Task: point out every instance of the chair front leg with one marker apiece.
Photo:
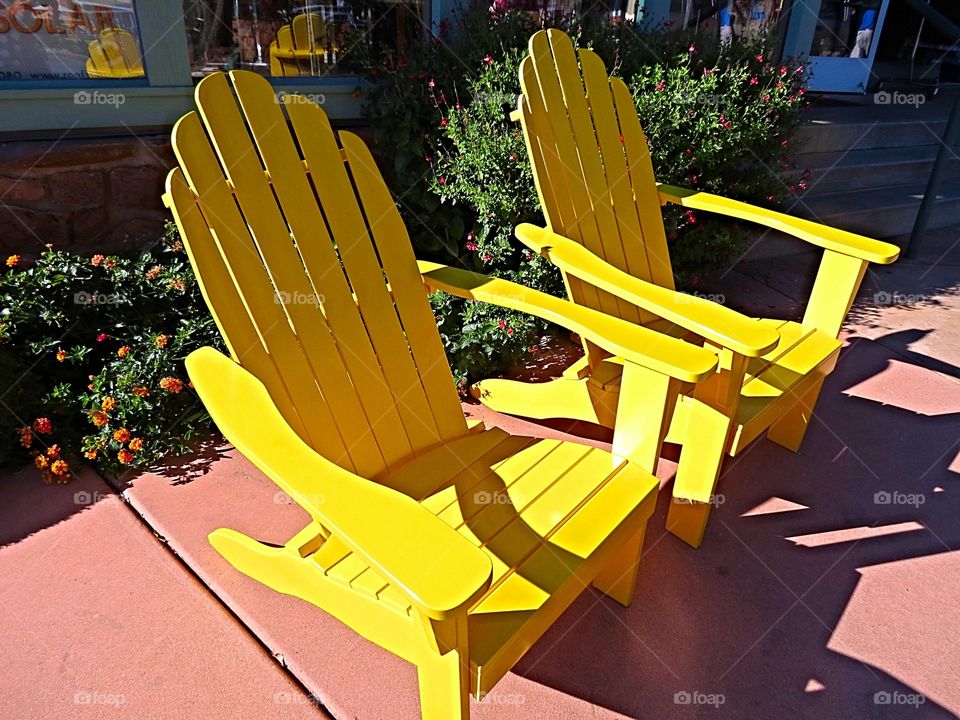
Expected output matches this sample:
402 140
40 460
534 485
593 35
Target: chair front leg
443 672
836 286
708 419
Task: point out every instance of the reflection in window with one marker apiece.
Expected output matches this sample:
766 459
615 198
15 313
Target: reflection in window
66 40
290 38
845 28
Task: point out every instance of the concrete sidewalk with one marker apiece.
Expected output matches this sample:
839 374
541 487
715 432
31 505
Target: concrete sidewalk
99 619
826 586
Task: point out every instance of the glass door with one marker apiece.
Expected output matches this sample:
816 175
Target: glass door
844 44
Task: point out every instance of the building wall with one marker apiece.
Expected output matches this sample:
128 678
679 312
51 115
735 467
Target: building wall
86 195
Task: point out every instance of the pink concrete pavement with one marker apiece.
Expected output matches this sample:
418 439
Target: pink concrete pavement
826 587
826 584
99 620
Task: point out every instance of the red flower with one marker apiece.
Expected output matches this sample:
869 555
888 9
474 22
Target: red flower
488 60
43 425
101 337
472 246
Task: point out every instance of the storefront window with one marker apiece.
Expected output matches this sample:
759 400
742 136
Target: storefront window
63 40
291 39
845 28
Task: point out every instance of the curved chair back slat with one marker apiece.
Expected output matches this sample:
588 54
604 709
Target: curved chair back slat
333 317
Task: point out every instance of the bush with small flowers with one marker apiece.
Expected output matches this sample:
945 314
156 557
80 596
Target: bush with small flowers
718 118
95 350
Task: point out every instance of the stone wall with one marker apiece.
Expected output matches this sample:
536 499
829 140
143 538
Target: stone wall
84 195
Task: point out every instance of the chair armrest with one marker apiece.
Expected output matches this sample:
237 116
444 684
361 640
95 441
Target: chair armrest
440 571
716 323
633 343
828 238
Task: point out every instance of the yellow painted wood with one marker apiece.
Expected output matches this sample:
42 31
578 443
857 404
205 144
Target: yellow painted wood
205 176
453 547
417 322
301 46
711 321
595 180
114 54
839 241
640 166
642 421
597 86
618 579
661 353
791 427
834 290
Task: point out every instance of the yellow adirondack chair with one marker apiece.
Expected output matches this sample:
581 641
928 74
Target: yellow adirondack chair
454 547
605 232
114 54
300 46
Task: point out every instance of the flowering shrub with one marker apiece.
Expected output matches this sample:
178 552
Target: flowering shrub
718 119
94 348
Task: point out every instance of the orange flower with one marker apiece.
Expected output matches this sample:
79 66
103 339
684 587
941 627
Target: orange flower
141 391
109 263
152 272
96 260
53 452
125 456
136 444
61 355
121 435
90 454
109 403
171 385
26 436
99 418
177 284
124 351
162 340
41 462
43 425
177 246
13 261
60 468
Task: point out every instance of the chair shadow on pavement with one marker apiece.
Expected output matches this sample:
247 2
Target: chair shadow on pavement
828 580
